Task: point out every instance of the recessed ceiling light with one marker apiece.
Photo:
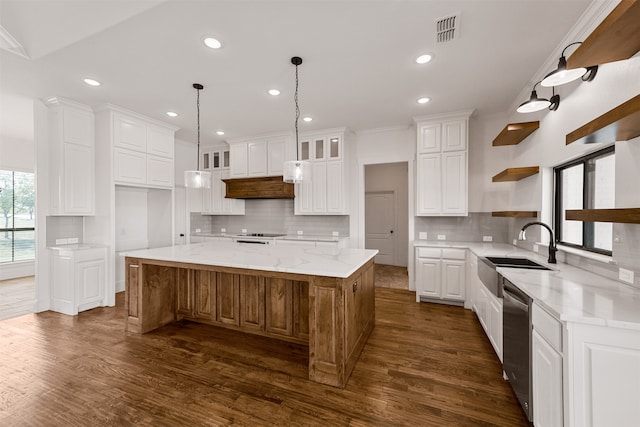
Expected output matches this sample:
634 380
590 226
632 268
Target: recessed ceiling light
423 59
220 132
423 100
274 92
307 119
91 82
172 114
213 43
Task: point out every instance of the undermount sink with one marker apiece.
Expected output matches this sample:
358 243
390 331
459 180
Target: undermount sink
516 263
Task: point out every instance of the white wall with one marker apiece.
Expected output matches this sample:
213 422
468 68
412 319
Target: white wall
185 159
16 133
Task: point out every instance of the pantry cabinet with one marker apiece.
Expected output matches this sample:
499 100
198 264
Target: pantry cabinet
442 165
71 158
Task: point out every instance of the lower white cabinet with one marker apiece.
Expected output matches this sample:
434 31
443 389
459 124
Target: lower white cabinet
77 279
440 273
547 383
488 308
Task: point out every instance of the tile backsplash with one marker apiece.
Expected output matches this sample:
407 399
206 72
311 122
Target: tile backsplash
471 228
64 227
271 216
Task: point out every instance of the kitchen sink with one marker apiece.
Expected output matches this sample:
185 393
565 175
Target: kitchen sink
516 263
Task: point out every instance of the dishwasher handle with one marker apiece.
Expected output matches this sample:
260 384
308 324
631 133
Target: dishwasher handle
514 299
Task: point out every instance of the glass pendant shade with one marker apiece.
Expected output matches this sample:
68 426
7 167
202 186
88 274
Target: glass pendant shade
296 171
197 179
561 75
533 104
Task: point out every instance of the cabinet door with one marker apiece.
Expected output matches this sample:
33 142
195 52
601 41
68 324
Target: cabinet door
319 184
185 292
319 146
335 187
230 206
90 283
227 299
160 141
482 301
453 279
428 277
130 167
257 155
62 284
354 296
238 162
129 133
252 302
78 127
454 135
429 138
454 183
494 314
79 178
547 383
428 189
279 306
301 310
205 289
276 155
304 198
218 191
160 171
334 147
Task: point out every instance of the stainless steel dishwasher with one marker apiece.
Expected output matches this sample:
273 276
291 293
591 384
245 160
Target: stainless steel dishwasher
516 321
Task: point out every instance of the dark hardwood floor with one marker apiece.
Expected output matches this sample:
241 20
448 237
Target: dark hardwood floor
424 365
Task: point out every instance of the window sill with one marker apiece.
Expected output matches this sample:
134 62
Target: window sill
586 254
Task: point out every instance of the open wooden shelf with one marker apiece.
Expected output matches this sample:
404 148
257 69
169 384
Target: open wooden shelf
516 174
620 215
514 133
620 124
515 214
615 39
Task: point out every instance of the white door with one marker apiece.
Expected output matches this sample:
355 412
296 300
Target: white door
180 215
379 224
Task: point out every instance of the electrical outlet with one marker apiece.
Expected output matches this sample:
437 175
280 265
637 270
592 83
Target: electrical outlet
335 233
536 248
72 240
422 235
62 241
223 230
198 230
300 232
442 237
625 275
487 238
515 242
244 231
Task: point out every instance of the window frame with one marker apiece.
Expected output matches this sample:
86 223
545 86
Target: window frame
587 194
15 229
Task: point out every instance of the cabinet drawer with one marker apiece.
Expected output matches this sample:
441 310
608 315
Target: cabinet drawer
454 254
547 326
429 252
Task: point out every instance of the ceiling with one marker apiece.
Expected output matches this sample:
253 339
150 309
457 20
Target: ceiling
358 67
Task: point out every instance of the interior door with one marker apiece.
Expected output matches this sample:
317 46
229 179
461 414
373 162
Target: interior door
379 225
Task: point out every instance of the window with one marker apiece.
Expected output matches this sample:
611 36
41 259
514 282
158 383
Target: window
17 231
585 183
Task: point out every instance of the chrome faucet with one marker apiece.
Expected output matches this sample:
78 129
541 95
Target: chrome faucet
552 242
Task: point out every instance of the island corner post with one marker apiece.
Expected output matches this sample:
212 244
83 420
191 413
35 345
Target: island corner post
333 316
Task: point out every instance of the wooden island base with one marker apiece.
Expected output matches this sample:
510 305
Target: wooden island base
333 316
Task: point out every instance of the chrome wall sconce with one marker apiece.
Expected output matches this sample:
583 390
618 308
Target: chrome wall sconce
562 76
536 104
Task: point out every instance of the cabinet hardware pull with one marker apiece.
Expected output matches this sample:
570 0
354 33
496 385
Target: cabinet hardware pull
355 287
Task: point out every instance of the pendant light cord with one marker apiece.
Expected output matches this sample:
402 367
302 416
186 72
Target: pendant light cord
569 45
198 108
295 98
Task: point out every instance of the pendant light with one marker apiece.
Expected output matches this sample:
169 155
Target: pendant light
562 76
296 171
197 178
534 103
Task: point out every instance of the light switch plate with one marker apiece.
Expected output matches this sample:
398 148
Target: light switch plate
487 238
300 232
625 275
536 248
442 237
422 235
61 241
335 233
198 230
72 240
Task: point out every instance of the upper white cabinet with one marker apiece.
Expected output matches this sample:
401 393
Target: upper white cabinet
442 165
72 158
143 150
260 156
325 193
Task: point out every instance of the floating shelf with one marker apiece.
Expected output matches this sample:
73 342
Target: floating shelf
615 39
620 124
620 215
516 174
514 133
515 214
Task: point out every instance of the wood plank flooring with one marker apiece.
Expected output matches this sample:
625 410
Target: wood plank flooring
17 297
424 365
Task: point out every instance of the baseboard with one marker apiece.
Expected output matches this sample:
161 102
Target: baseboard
14 270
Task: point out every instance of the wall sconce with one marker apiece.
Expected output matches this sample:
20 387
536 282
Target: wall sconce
562 76
536 104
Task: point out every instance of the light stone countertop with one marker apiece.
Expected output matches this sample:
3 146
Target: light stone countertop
315 261
302 237
569 293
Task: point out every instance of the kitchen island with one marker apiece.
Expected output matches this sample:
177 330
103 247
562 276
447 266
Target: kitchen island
320 297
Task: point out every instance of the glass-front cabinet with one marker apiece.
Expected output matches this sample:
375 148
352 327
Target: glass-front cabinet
321 148
214 159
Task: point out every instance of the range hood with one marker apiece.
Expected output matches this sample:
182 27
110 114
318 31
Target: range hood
269 187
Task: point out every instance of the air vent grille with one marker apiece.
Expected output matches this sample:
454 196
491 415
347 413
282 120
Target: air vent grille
447 28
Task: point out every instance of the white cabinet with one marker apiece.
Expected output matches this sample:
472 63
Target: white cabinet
440 274
547 383
214 201
216 158
442 165
143 152
326 193
72 158
488 308
260 156
77 279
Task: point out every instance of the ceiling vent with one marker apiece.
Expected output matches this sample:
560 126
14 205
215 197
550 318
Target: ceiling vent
447 28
